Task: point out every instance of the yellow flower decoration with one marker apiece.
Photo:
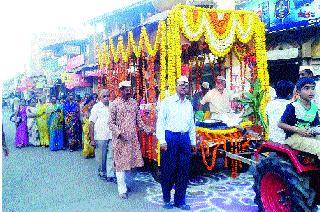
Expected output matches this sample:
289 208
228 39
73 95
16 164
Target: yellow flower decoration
242 25
223 132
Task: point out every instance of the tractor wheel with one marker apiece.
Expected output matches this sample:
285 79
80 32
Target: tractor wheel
279 188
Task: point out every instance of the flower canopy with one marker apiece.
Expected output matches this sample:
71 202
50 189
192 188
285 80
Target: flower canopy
219 28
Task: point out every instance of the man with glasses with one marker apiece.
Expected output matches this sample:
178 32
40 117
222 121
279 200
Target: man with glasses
176 134
100 136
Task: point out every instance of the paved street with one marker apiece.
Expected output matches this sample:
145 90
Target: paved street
36 179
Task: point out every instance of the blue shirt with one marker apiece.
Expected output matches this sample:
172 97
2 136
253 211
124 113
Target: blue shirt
176 116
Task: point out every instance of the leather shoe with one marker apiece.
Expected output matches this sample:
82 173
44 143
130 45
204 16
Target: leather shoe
167 205
183 207
102 176
111 179
123 196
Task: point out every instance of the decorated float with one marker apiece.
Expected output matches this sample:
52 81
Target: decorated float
201 44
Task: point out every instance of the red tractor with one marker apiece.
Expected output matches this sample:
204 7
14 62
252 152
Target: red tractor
286 179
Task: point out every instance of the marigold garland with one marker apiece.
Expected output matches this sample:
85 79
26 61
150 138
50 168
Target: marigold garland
241 25
214 154
223 132
231 72
163 62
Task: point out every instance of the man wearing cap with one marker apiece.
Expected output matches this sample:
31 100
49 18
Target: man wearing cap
205 87
100 136
176 134
123 123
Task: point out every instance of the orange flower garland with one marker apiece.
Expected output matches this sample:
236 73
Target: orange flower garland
219 26
220 37
230 60
214 154
137 80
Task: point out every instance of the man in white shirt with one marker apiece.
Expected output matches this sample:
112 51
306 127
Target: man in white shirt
219 100
176 134
100 136
276 107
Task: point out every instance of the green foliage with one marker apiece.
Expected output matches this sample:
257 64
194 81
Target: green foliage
251 102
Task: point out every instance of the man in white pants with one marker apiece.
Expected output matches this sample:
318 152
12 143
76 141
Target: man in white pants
101 137
124 121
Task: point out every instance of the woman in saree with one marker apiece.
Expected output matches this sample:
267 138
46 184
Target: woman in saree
33 130
55 125
88 150
21 124
73 128
42 122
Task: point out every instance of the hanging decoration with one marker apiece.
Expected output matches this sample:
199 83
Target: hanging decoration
219 29
231 73
163 62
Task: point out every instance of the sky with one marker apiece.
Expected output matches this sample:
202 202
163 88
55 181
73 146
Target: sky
20 18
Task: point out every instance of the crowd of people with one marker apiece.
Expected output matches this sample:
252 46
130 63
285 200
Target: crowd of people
109 132
51 123
106 132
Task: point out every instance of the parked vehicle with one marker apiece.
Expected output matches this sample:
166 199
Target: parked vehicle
286 180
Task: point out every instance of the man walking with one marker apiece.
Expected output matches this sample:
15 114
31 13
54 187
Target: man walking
124 120
100 136
176 133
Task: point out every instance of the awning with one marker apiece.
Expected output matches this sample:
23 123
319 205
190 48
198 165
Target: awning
283 54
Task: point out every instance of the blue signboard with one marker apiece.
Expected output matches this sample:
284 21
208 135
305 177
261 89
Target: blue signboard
285 14
50 64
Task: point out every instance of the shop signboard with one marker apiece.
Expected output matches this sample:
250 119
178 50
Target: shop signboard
77 81
41 82
71 49
94 73
66 77
25 85
51 64
285 14
62 61
75 62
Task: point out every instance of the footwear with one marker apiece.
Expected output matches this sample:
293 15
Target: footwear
111 179
102 176
123 196
167 205
115 180
183 207
129 189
